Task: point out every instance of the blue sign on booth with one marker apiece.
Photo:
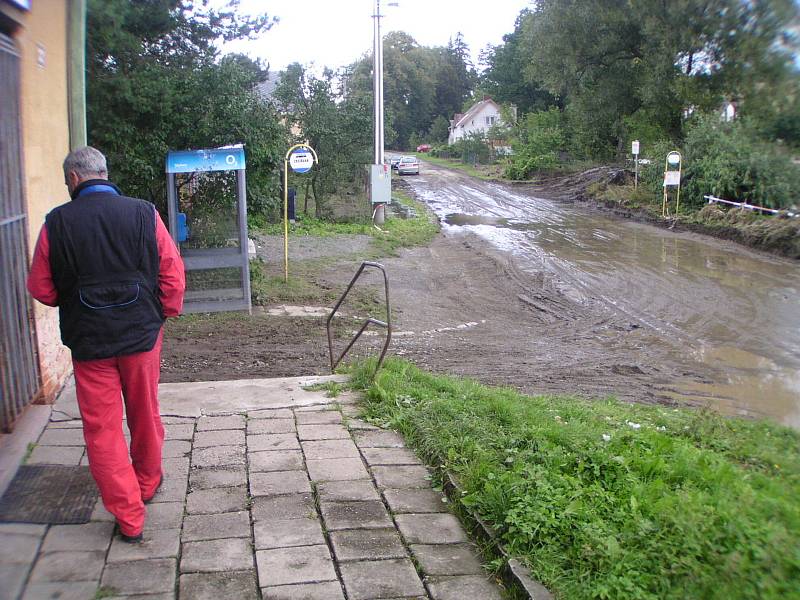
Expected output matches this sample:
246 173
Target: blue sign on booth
212 159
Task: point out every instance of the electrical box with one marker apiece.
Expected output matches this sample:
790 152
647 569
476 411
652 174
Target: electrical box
380 184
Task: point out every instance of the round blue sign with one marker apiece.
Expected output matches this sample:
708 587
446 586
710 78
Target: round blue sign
301 161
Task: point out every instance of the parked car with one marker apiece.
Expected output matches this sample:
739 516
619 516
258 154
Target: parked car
424 148
394 161
408 165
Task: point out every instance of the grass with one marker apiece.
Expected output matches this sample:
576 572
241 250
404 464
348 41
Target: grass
481 172
766 232
605 499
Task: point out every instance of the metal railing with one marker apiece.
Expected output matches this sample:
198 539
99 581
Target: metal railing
712 199
367 322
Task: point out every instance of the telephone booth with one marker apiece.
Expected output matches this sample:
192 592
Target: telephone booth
206 197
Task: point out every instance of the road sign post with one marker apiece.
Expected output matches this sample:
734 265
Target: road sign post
672 178
635 152
300 157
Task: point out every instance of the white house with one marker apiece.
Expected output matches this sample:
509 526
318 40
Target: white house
478 119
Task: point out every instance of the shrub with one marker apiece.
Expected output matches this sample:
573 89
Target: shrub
539 140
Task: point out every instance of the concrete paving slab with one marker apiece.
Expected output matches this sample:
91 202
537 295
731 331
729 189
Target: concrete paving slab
276 508
288 460
215 526
239 585
216 500
158 543
415 501
460 587
71 424
23 529
221 456
210 477
288 533
88 536
378 439
402 476
78 590
55 455
100 513
448 559
179 432
318 417
278 413
272 441
176 449
164 515
209 423
322 432
329 590
337 469
333 491
372 580
194 399
68 566
176 467
256 426
354 424
61 437
163 596
323 449
172 489
140 576
285 566
14 446
276 483
389 456
355 515
18 549
13 578
438 528
222 437
232 554
367 544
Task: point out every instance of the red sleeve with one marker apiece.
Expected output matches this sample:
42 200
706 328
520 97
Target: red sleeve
40 279
171 278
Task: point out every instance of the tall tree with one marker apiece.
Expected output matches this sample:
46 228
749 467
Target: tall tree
156 82
337 127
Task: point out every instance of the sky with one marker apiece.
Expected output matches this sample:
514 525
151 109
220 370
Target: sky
335 33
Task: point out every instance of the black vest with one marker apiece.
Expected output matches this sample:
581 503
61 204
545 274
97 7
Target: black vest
104 261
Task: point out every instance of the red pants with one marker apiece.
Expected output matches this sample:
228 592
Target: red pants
123 480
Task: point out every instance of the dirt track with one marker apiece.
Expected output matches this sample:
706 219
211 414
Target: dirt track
469 307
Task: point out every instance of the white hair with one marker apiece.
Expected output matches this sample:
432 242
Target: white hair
87 163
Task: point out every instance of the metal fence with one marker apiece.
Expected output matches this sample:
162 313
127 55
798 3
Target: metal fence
19 371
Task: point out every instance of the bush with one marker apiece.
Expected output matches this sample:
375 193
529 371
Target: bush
539 139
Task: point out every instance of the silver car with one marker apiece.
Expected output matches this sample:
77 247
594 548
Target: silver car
408 165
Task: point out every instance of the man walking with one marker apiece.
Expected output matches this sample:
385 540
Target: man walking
109 264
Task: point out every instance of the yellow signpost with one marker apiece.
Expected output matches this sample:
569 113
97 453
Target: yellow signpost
301 157
672 178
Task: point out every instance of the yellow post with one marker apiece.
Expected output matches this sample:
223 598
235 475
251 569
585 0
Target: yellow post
286 205
286 219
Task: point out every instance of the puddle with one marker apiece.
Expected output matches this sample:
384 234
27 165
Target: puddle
730 309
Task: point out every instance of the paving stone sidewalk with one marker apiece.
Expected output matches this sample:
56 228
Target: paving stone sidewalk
301 503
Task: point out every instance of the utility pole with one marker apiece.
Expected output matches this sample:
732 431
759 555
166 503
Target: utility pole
380 178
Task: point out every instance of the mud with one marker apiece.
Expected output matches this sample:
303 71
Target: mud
541 297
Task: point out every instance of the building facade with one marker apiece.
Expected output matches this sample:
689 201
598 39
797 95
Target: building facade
42 116
481 117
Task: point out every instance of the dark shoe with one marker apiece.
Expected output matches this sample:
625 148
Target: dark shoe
158 487
131 539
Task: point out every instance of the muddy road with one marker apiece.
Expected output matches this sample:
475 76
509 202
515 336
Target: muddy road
617 306
534 293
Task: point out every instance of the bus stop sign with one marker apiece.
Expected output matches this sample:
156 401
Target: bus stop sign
301 160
